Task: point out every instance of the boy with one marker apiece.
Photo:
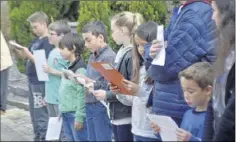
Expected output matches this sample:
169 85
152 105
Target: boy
196 81
98 123
56 63
71 98
38 112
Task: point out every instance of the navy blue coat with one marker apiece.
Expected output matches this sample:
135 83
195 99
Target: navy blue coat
191 37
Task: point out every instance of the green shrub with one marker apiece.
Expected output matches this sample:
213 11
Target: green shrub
19 11
83 12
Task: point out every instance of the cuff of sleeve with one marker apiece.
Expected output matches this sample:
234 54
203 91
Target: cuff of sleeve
79 117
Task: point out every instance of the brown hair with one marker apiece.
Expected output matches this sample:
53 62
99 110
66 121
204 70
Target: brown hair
226 36
38 16
202 73
132 22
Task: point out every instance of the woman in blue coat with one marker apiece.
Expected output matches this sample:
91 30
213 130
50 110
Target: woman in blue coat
190 39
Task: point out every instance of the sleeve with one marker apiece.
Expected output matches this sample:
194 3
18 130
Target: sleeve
48 47
101 83
226 129
61 63
186 45
128 68
208 124
80 110
125 99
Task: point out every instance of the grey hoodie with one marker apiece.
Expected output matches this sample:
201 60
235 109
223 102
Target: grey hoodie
107 55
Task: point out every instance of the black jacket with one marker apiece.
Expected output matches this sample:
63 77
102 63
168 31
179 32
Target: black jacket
224 128
78 63
117 109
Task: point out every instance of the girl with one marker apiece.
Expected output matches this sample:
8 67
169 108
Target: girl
220 118
141 86
71 98
123 26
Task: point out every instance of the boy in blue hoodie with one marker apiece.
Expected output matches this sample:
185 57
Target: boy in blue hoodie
196 82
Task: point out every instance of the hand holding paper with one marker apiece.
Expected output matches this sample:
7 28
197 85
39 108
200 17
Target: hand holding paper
100 94
167 126
161 52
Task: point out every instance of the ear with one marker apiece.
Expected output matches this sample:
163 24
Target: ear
74 48
208 90
101 38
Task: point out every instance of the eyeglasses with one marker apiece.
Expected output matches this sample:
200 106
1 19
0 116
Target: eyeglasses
53 34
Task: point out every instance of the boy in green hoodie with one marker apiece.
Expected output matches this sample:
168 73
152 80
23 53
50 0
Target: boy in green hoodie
71 98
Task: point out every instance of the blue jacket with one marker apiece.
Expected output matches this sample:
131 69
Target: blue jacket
190 39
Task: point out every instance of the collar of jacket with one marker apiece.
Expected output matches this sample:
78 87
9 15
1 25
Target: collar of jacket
192 1
99 51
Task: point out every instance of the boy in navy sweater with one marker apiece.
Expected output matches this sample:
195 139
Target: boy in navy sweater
196 81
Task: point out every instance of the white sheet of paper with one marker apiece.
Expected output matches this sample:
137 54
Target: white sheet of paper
54 128
107 66
40 60
161 54
167 125
18 46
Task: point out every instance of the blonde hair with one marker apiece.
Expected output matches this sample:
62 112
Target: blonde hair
129 20
132 21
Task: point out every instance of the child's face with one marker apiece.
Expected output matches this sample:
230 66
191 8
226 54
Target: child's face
38 28
65 53
119 35
193 94
54 38
140 42
92 42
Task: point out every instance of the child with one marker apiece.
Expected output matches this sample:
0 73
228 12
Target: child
38 112
196 81
123 25
141 86
98 123
55 65
71 98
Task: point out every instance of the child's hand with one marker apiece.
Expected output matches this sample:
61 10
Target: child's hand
47 69
183 135
130 86
100 94
114 89
155 47
155 127
44 102
78 126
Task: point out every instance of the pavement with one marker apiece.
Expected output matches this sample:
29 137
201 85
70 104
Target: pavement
16 125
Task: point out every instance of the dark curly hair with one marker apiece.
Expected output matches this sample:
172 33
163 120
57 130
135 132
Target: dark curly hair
72 41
